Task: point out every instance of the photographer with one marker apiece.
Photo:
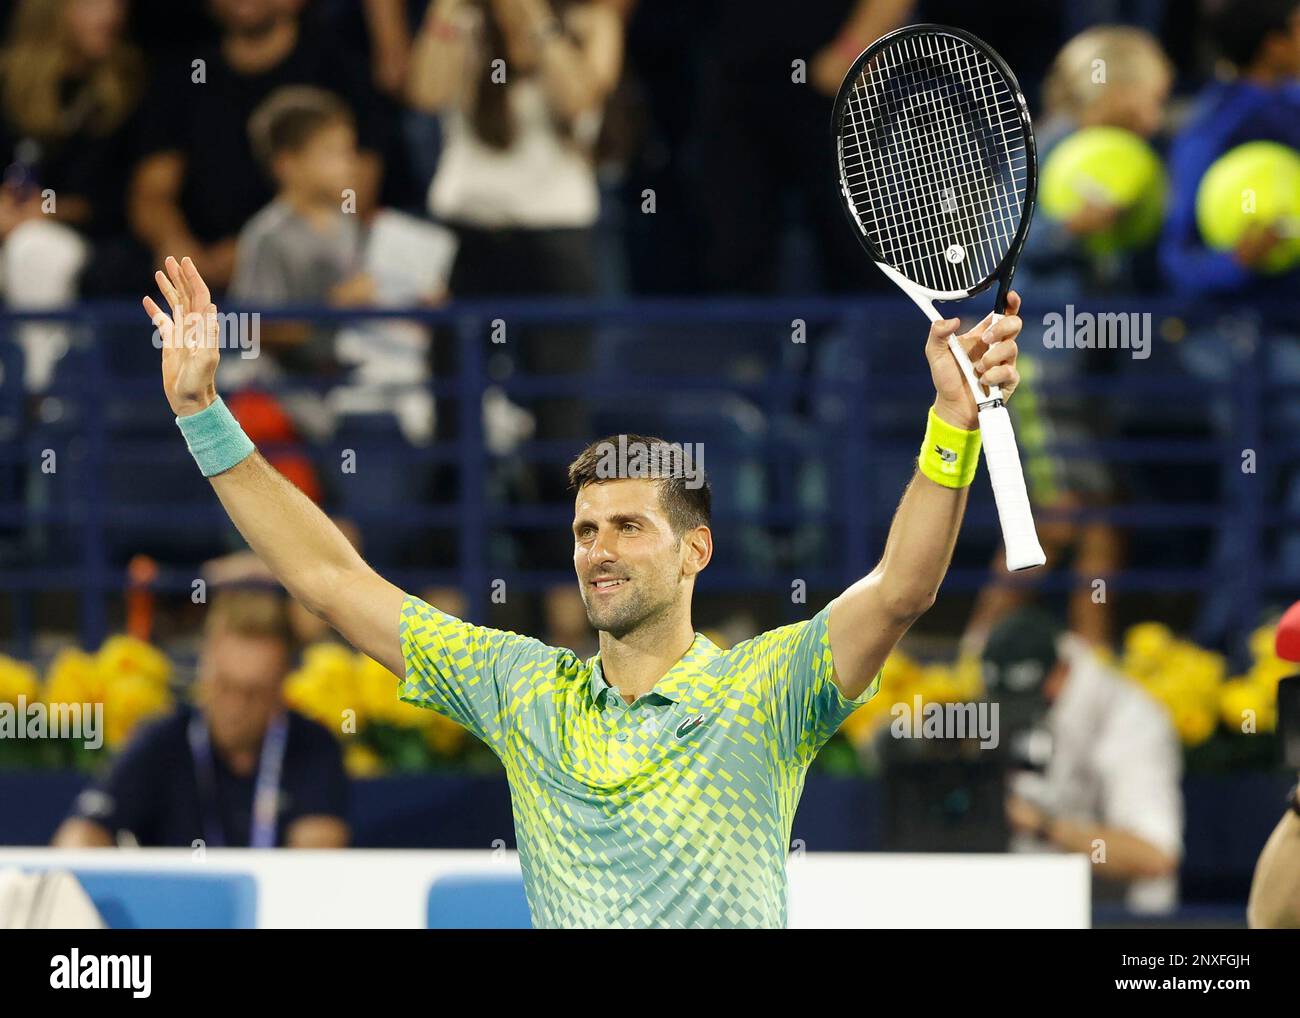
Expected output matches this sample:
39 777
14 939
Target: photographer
1098 762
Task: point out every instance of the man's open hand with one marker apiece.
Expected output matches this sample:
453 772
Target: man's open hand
190 337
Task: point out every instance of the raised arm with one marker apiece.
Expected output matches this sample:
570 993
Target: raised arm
440 55
869 618
579 73
306 552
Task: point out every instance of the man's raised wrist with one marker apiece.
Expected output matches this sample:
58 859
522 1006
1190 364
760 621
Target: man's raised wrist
215 439
957 416
949 453
194 406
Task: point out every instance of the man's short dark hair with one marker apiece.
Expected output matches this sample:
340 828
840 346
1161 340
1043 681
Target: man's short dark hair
1239 27
290 117
683 487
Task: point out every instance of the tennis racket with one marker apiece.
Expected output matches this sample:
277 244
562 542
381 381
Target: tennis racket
938 172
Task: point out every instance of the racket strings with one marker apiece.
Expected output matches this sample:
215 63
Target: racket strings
936 150
934 160
933 147
938 153
902 229
998 108
942 160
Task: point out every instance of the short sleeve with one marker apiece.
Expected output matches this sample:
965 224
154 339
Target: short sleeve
463 671
797 672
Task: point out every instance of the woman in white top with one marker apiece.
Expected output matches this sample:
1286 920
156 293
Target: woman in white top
520 85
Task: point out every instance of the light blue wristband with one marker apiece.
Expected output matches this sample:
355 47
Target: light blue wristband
216 440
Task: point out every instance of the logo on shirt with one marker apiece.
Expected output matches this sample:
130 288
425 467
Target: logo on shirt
689 725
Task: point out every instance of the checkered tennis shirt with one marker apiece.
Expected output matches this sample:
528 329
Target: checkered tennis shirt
672 811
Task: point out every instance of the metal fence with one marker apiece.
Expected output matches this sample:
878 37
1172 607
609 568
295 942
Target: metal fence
814 408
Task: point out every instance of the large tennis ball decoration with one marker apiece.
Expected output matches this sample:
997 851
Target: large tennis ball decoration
1255 184
1110 166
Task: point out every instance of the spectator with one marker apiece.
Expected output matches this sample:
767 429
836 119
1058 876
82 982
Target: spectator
521 87
198 181
70 84
304 248
1102 765
1133 95
238 769
1257 98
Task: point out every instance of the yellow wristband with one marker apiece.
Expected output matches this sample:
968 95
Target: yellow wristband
949 455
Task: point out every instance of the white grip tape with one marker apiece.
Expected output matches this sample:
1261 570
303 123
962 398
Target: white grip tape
1008 480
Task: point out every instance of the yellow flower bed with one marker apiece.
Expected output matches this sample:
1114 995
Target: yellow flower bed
346 691
128 677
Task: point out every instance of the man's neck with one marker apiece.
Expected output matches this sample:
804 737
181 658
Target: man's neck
635 662
258 51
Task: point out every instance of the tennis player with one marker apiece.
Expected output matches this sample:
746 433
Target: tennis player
654 784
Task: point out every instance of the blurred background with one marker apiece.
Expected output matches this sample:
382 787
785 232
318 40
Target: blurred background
479 233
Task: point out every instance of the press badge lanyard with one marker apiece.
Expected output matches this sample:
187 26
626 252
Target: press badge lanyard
267 789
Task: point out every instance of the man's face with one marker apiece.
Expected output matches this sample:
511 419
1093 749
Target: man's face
631 567
241 680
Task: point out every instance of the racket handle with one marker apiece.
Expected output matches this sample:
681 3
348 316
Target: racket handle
1008 480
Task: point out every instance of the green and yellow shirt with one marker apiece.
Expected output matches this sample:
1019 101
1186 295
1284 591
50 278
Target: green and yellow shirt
672 811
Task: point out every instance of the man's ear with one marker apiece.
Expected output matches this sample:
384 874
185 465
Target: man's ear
699 543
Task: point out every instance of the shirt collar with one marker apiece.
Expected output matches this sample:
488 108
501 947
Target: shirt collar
669 689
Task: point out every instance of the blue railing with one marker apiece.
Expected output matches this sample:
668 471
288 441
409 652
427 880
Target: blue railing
815 406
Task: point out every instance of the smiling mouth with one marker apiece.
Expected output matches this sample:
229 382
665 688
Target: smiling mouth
608 584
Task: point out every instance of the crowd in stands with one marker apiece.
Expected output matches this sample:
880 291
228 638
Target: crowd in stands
524 125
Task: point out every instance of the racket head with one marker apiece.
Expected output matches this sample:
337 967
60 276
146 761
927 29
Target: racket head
935 155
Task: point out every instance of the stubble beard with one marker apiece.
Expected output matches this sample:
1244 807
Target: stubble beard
621 619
